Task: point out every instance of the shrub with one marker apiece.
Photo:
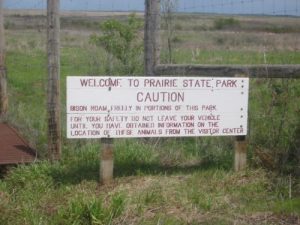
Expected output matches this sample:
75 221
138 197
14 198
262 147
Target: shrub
226 23
275 133
9 25
121 41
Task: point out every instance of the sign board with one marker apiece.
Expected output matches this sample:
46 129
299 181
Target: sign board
124 107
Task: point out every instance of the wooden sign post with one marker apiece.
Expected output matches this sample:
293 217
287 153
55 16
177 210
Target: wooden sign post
240 153
106 161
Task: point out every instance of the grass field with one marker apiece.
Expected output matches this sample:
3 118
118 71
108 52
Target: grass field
157 181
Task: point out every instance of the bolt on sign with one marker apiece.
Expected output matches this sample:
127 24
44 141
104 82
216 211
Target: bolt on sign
123 107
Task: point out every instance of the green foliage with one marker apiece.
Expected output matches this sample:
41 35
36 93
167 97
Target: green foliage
122 41
78 23
134 158
83 210
38 197
274 138
166 180
9 25
153 196
216 152
203 201
288 206
35 173
168 8
186 56
282 29
226 23
176 39
58 193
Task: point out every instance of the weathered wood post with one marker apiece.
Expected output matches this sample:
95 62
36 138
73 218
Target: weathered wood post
240 153
151 36
53 90
107 150
3 78
107 161
240 148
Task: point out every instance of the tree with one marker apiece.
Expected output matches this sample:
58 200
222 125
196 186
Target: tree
169 7
121 41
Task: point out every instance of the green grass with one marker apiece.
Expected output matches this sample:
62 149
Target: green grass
231 23
201 196
288 206
159 180
186 56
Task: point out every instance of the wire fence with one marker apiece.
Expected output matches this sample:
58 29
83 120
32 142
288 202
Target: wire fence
199 32
248 7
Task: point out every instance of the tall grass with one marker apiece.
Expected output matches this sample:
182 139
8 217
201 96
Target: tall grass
158 180
33 195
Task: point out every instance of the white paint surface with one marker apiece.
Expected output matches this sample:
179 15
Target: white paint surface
120 107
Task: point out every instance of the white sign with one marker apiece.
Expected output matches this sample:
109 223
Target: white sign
123 107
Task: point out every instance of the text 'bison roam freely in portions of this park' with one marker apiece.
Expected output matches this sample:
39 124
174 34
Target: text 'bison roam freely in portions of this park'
147 107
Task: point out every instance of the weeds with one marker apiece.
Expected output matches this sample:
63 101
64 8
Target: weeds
140 199
276 150
83 210
226 23
157 181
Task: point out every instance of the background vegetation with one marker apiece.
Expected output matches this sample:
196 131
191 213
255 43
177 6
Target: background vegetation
158 181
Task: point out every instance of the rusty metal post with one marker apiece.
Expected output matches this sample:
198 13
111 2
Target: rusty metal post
53 101
3 76
106 161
